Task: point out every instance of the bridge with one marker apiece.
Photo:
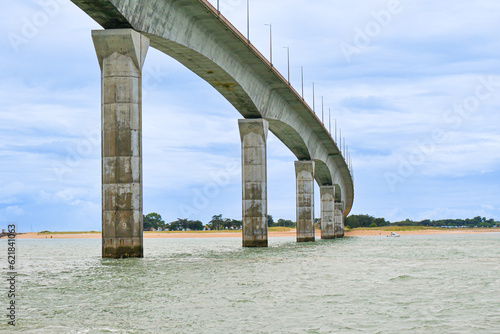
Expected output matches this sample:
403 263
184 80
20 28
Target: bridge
196 34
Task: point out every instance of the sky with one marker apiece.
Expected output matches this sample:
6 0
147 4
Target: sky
414 86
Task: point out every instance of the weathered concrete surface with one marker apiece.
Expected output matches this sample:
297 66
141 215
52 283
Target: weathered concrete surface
253 133
304 172
192 32
327 194
121 55
339 220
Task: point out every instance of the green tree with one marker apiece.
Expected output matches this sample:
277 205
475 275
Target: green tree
217 223
153 220
355 221
286 223
236 224
183 224
270 221
174 226
195 225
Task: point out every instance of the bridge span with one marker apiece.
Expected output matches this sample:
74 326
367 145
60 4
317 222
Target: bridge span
194 33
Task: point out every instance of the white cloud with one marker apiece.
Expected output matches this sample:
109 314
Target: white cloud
14 210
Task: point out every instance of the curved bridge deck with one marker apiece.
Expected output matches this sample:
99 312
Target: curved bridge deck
195 34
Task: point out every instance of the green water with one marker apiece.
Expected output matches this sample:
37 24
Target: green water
412 284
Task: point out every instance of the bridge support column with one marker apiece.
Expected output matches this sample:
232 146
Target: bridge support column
253 133
121 54
327 194
339 220
304 172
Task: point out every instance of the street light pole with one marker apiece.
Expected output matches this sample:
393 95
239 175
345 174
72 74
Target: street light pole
288 60
347 157
330 120
270 43
322 112
314 107
335 131
340 140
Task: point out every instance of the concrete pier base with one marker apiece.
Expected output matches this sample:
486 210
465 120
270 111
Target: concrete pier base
253 133
121 54
327 194
339 220
304 172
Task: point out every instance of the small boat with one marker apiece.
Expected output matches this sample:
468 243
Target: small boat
394 234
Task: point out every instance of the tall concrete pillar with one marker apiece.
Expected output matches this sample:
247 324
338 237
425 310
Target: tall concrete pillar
253 133
121 54
339 220
327 212
304 172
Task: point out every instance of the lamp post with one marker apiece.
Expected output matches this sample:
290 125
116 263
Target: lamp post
322 112
330 121
288 61
248 21
340 140
347 154
314 107
270 43
335 131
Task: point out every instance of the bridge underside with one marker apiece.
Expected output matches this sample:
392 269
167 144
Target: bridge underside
192 32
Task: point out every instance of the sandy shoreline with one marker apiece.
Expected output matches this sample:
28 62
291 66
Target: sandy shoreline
292 233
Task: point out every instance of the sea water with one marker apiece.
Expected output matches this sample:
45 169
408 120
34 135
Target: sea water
411 284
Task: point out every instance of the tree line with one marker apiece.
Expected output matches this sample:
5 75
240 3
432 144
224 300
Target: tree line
217 223
355 221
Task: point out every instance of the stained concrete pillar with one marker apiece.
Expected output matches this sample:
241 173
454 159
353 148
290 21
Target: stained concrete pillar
253 133
339 220
304 172
327 194
121 54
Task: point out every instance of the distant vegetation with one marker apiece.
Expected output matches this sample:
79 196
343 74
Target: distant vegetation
355 221
474 222
153 221
280 222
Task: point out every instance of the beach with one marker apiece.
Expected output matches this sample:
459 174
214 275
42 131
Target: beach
237 234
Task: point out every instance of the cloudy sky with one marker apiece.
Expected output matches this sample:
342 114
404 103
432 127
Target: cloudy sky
414 86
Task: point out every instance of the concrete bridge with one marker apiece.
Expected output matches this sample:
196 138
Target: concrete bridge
194 33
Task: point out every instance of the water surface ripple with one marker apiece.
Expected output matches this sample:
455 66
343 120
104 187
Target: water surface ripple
412 284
